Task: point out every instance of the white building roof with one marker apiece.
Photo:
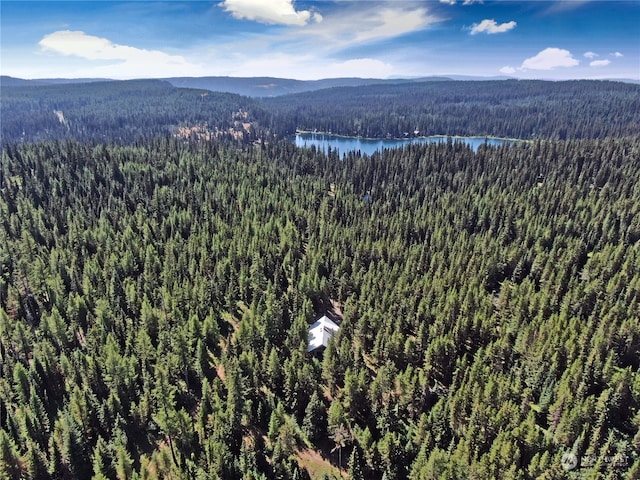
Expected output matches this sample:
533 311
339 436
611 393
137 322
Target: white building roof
320 332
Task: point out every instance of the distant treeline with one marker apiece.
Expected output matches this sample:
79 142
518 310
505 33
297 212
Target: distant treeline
517 109
125 111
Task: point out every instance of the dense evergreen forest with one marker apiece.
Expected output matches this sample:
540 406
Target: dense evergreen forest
119 111
128 110
156 292
510 108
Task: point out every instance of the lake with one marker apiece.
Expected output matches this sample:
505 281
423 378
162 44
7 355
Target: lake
323 141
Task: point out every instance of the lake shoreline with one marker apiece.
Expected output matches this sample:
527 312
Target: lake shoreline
422 137
345 143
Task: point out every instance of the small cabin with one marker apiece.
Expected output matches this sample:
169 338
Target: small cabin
320 332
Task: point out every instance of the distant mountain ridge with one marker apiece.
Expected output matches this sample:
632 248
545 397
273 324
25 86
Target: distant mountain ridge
7 81
264 86
247 86
275 87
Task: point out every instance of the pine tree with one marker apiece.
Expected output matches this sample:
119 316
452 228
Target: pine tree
121 458
10 461
101 461
314 424
356 464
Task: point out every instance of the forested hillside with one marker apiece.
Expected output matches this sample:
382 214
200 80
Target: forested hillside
155 299
509 108
128 110
120 112
163 252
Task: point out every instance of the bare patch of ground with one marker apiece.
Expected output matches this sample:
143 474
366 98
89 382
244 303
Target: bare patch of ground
316 465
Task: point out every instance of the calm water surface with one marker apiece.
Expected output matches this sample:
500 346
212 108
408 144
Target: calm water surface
369 146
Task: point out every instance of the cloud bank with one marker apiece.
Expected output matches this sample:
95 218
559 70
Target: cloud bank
599 63
131 61
490 26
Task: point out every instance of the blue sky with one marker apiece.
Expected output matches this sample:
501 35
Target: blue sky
549 39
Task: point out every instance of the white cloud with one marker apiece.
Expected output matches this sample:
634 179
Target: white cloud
490 26
507 70
560 6
305 67
130 61
393 22
466 2
617 54
358 25
550 58
360 67
599 63
280 12
591 54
